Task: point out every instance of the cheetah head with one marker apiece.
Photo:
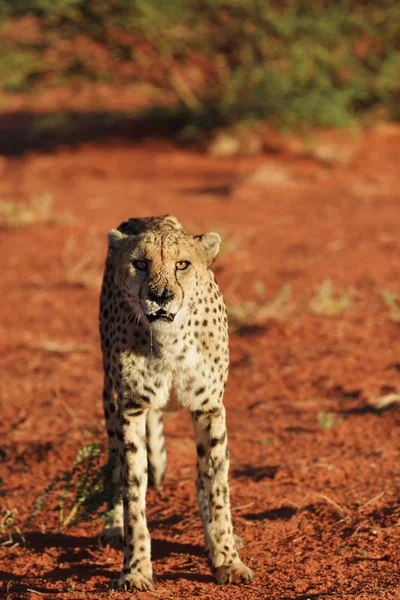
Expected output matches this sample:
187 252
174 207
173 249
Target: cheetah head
160 273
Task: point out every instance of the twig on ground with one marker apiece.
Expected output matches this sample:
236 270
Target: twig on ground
386 401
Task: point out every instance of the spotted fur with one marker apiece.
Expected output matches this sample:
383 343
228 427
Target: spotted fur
164 328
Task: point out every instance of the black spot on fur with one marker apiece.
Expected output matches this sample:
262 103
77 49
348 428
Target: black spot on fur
149 389
131 447
201 451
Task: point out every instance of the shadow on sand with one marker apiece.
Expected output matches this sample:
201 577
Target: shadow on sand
22 131
77 552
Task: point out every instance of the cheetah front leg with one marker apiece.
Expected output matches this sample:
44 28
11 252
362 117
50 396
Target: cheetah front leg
113 527
137 569
156 452
213 465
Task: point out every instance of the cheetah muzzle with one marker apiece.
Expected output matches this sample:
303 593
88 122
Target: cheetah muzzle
164 328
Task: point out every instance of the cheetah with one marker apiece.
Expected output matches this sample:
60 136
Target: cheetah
163 328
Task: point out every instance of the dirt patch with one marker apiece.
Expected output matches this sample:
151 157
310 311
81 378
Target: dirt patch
314 468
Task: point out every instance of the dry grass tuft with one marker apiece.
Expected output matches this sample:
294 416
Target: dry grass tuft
254 313
392 301
18 214
83 263
328 302
54 347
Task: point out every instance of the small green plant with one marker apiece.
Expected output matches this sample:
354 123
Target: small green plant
328 301
17 214
267 441
259 288
81 491
327 420
255 312
392 301
7 521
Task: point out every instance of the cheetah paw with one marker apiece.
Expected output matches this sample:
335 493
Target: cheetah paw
133 581
236 573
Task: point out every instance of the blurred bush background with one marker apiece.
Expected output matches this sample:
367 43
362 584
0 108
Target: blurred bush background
322 62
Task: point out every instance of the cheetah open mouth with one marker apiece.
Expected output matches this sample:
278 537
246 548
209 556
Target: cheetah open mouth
161 315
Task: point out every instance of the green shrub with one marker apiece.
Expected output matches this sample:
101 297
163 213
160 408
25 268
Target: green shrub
295 61
81 491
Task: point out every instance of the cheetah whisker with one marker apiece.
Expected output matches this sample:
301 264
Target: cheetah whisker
129 317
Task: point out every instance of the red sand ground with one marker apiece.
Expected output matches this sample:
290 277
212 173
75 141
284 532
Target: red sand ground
318 508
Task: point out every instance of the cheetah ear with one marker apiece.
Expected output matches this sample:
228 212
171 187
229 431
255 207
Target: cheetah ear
210 243
115 238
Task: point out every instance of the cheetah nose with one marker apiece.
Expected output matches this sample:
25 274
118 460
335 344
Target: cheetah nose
162 297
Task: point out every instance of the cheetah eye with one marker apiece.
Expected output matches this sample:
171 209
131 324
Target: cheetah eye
181 265
140 265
